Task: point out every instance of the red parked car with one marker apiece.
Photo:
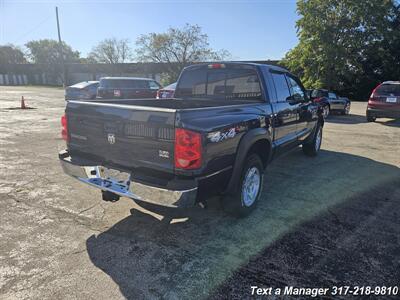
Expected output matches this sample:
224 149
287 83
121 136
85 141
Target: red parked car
384 101
167 92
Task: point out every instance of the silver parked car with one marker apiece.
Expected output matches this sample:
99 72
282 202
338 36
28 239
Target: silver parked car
82 90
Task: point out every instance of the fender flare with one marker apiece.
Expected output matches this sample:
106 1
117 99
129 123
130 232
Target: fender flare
245 143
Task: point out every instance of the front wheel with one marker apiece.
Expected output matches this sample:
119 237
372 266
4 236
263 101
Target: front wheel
311 148
346 109
326 111
245 198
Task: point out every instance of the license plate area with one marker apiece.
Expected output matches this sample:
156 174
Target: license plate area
108 179
115 175
117 93
391 99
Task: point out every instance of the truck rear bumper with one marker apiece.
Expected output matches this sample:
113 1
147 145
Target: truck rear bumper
92 176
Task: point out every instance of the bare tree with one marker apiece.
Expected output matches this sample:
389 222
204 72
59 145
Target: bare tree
111 51
177 48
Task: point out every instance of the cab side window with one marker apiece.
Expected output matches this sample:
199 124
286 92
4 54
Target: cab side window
332 96
317 94
153 85
297 91
281 87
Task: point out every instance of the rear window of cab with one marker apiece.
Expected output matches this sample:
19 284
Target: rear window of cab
221 83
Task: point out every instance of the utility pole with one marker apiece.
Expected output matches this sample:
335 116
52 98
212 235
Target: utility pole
61 51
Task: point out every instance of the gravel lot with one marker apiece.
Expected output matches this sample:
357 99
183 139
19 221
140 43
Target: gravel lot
323 221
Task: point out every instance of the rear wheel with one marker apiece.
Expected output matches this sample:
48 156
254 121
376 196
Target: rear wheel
311 148
245 198
370 118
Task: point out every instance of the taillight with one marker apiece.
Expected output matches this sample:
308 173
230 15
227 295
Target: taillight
64 130
158 94
373 97
187 149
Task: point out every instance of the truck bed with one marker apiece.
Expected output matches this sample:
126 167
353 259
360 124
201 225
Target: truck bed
139 134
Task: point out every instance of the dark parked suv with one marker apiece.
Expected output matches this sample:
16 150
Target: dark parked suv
127 88
384 101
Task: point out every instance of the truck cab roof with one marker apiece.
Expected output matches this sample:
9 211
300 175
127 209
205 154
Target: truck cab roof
238 63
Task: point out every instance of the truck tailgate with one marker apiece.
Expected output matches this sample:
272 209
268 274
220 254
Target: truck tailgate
122 135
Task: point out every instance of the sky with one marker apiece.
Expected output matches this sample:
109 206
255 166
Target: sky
249 30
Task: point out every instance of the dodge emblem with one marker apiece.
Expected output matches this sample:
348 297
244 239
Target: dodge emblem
111 138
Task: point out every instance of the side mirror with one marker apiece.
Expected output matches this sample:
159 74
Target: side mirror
310 95
292 100
295 100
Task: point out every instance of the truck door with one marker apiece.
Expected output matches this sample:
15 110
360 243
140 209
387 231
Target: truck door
304 115
285 114
139 90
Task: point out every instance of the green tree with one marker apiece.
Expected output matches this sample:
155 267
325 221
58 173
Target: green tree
10 54
177 47
345 45
47 51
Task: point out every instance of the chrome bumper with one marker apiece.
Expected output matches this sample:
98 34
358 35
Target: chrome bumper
92 175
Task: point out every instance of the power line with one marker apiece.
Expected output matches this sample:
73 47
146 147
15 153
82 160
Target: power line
32 30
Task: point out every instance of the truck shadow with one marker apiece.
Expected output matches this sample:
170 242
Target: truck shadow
391 122
357 119
338 247
149 258
348 119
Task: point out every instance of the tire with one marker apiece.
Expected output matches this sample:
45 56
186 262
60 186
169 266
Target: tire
311 148
326 111
346 110
370 118
243 200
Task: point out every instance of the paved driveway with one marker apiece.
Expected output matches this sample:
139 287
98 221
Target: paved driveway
59 240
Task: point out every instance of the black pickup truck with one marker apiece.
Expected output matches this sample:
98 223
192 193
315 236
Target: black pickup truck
225 124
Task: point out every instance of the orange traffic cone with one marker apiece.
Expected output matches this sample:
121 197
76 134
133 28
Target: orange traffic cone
23 106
